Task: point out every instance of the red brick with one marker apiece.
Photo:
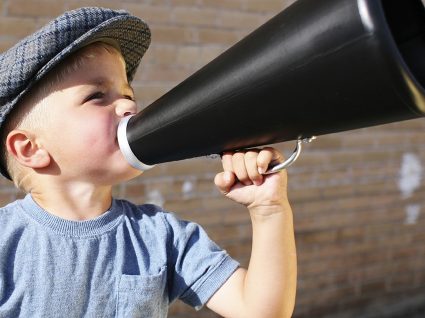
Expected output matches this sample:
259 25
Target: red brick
327 280
185 2
8 27
209 53
36 8
148 93
373 288
6 44
224 4
264 5
164 74
189 55
317 237
248 20
172 35
152 14
160 54
195 16
216 36
230 233
74 4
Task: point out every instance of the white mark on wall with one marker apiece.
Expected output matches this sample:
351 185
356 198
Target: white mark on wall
155 197
187 189
410 174
412 214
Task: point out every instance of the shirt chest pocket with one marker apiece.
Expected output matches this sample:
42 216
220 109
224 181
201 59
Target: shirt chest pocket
142 296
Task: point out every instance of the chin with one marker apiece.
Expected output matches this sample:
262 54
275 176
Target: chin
120 170
130 173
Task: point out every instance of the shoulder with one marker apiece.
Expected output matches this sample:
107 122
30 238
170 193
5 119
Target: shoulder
9 212
12 220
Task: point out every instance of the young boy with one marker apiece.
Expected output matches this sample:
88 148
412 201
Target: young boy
69 249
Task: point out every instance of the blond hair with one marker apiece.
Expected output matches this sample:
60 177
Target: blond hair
30 111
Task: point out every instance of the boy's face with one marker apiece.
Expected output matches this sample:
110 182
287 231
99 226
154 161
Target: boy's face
83 113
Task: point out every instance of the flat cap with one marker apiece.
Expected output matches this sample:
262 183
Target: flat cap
29 60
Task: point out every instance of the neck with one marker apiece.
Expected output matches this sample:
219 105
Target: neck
74 201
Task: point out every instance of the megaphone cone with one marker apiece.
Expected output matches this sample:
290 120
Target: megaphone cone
318 67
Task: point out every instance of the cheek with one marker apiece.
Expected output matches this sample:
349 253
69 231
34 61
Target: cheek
90 134
97 133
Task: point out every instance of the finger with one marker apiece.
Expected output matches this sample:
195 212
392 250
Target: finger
238 163
226 161
224 181
252 168
267 156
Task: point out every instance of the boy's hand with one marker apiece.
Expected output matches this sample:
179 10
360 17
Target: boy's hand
242 181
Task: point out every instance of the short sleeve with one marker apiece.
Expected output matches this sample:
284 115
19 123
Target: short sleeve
197 266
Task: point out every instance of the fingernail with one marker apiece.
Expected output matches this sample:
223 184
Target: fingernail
261 170
258 182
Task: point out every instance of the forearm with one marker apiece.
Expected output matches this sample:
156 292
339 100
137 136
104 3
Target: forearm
267 288
270 281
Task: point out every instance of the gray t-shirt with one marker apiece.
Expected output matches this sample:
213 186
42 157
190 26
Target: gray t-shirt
132 261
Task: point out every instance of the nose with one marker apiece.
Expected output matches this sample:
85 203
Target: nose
125 107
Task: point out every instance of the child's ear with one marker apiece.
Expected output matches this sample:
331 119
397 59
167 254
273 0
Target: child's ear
23 147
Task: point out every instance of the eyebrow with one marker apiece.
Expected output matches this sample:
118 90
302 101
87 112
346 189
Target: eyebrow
104 82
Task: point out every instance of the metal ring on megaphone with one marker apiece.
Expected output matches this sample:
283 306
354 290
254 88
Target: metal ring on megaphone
125 146
292 158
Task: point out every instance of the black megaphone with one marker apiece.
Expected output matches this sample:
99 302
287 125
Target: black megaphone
316 68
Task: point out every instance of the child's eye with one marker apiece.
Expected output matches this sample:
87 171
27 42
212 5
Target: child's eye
97 95
129 97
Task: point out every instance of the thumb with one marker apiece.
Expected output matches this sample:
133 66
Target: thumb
224 181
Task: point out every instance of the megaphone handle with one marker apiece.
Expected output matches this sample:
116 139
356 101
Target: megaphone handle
292 158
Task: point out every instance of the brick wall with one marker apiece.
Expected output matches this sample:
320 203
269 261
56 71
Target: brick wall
357 196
